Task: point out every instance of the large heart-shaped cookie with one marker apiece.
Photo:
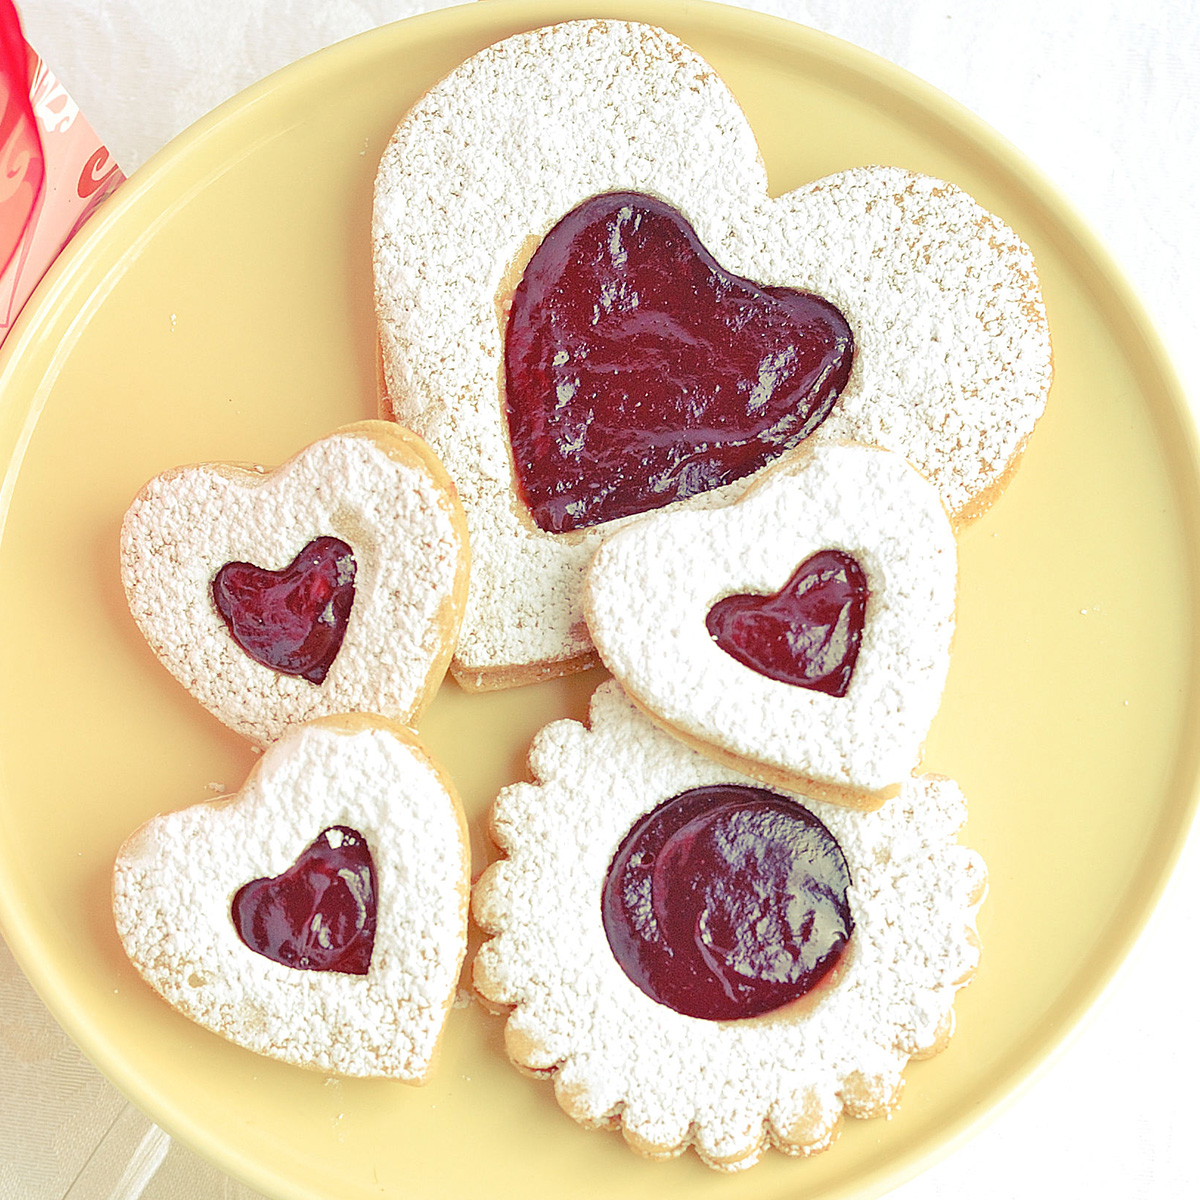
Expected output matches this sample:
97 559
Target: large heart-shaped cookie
802 633
319 915
951 351
335 583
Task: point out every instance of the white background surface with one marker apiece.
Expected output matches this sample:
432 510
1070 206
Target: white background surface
1104 97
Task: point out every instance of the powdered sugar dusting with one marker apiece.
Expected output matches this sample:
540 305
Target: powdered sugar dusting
403 525
652 584
952 361
175 879
728 1088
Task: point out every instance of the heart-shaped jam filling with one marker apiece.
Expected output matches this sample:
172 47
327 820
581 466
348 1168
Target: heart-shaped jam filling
808 633
638 371
319 915
291 620
727 902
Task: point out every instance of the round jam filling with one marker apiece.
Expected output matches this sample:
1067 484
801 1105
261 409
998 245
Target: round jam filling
638 371
319 915
808 633
292 620
727 902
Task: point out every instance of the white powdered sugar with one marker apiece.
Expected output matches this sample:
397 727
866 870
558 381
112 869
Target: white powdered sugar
652 584
175 879
952 360
369 485
726 1087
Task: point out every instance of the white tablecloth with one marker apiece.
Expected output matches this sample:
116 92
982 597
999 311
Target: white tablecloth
1104 96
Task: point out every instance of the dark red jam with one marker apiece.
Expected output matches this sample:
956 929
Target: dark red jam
639 372
291 620
319 915
808 633
728 902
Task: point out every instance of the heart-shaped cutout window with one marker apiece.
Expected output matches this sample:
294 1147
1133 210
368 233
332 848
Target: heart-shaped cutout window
319 915
808 633
639 372
292 620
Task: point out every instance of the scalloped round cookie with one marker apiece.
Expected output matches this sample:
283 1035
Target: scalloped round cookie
178 884
373 491
951 361
653 586
729 1088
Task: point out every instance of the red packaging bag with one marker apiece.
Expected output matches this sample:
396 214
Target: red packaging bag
54 171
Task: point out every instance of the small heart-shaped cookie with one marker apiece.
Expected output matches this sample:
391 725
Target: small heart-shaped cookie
335 583
801 634
318 916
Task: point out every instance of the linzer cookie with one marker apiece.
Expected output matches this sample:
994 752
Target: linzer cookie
594 318
319 915
802 633
335 583
701 961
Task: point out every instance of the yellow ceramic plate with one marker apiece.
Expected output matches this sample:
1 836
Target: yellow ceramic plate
220 308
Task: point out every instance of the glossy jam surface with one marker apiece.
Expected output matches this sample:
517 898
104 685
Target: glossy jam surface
292 620
808 633
639 372
319 915
727 902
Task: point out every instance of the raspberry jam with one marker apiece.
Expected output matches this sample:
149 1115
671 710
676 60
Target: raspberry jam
639 372
808 633
291 620
727 902
319 915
